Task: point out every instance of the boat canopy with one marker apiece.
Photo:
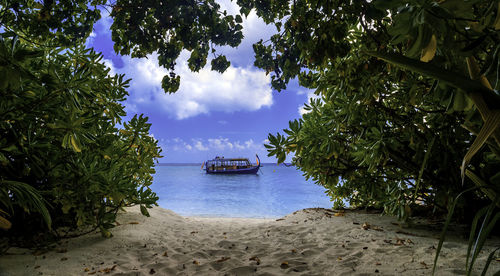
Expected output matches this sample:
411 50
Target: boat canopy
229 162
230 165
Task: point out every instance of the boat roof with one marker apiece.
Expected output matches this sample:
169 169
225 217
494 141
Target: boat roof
228 159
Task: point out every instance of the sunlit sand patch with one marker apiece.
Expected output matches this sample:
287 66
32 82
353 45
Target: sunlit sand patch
308 242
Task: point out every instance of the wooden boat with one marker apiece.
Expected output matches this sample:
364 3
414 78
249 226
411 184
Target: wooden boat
221 165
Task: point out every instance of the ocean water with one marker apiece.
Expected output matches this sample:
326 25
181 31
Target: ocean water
274 192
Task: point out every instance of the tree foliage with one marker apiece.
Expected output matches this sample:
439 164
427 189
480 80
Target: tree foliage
139 28
63 159
50 23
408 90
168 27
409 108
62 155
391 127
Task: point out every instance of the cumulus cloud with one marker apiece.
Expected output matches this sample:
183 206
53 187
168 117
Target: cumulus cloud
175 149
238 89
199 145
241 88
175 144
219 144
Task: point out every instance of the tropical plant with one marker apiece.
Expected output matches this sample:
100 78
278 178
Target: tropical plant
60 149
61 154
397 119
398 122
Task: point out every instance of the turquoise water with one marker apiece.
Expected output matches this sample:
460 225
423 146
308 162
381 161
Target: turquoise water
274 192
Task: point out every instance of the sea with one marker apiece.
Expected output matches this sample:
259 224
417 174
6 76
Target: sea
275 191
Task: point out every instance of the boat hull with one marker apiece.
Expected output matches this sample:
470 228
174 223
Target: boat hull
252 170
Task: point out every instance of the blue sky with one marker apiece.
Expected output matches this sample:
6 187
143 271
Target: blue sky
212 114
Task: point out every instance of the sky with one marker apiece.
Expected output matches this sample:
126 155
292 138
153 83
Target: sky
212 114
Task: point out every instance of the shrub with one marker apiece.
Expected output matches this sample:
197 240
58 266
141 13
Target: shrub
63 160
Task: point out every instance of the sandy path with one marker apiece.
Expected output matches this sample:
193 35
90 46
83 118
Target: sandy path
308 242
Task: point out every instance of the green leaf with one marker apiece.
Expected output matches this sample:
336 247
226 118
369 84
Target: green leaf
108 225
488 262
62 97
105 233
496 24
492 122
5 224
27 197
10 148
495 179
144 211
481 184
170 83
3 159
424 36
220 64
452 78
422 168
485 230
442 237
429 51
386 4
20 55
75 144
472 232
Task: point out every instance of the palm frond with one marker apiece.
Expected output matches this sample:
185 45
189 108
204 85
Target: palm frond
26 197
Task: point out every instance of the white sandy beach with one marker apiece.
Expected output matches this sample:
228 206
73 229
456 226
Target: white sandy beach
307 242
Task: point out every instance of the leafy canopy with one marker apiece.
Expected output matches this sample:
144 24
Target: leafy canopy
404 87
390 127
63 157
409 108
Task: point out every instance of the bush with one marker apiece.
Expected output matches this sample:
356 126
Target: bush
63 161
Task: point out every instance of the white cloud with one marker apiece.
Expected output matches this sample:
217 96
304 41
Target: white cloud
175 144
220 144
238 146
229 6
199 145
201 148
211 144
249 143
238 89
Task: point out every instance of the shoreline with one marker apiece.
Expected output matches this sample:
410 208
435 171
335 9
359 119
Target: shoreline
225 217
312 241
